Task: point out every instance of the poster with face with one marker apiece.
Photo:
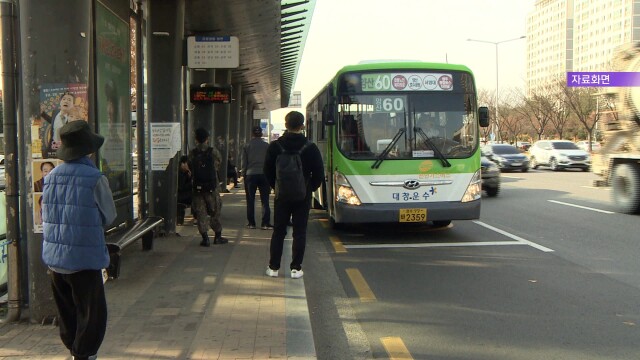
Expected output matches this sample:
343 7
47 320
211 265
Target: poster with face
37 213
59 104
40 169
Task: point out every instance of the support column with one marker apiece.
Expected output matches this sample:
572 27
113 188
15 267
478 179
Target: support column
248 122
234 125
141 123
14 250
243 129
54 58
221 116
165 33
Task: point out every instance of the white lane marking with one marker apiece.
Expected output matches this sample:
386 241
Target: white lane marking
514 237
581 207
434 245
512 177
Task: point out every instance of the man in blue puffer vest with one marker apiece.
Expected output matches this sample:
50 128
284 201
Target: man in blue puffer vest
77 204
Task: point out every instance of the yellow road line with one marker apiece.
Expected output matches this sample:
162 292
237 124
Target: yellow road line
361 286
395 348
337 244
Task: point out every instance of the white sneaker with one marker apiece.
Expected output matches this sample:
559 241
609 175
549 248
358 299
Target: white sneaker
272 273
296 274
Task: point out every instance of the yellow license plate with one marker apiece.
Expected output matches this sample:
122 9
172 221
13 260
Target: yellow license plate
413 215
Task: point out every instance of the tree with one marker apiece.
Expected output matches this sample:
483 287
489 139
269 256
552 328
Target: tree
583 102
557 108
534 111
510 123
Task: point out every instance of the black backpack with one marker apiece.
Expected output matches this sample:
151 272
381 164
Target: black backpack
204 171
291 184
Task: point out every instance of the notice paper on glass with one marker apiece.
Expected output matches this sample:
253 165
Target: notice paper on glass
165 142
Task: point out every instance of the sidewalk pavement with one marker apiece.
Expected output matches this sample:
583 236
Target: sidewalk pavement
184 301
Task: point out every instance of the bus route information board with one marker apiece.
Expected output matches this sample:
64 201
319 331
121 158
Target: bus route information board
213 52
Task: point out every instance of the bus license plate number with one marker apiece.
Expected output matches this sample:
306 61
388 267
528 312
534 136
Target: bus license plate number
413 215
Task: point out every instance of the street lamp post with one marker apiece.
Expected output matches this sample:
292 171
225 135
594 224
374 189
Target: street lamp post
496 43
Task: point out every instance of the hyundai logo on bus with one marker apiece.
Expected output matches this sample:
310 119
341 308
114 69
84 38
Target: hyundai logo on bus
411 184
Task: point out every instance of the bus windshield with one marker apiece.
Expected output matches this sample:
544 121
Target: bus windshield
367 123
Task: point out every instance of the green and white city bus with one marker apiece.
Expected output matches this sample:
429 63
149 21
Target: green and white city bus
399 142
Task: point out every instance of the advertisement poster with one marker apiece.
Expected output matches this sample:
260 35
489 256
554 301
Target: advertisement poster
37 213
113 99
40 169
4 244
165 143
59 104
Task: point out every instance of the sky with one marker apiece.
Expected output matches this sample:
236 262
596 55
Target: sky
346 32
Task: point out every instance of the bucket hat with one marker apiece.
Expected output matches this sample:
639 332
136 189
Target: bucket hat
78 140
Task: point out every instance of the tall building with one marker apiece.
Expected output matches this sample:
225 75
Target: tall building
600 27
577 35
549 42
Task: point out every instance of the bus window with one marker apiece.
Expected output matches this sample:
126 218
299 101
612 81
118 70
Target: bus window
311 124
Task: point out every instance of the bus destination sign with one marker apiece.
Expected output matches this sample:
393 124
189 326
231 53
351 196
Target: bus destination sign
407 82
211 94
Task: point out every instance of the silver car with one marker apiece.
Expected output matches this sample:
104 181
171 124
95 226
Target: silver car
558 155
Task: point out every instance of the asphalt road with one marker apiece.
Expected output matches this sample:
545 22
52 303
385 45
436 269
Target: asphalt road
549 271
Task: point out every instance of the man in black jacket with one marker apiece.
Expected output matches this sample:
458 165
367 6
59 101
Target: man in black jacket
297 211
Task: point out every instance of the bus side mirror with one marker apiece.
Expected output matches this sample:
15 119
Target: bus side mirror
328 117
328 111
483 115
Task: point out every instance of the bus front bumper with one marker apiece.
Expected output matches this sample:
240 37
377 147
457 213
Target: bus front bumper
390 213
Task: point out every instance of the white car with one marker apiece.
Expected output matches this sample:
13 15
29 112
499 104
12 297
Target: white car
558 155
584 145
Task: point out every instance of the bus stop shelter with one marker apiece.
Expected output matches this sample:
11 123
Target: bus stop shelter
176 64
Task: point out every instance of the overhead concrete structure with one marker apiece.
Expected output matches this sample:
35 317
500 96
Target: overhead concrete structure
272 35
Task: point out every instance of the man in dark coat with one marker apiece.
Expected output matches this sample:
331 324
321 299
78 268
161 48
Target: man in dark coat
298 211
253 155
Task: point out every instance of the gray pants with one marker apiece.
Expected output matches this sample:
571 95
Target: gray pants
207 206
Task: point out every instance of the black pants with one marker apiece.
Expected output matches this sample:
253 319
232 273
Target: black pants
82 311
183 204
298 212
232 176
251 184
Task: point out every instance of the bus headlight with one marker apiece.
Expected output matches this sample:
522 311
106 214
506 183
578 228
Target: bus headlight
344 191
474 190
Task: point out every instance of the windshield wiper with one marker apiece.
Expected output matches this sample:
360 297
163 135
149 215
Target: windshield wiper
385 152
430 144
